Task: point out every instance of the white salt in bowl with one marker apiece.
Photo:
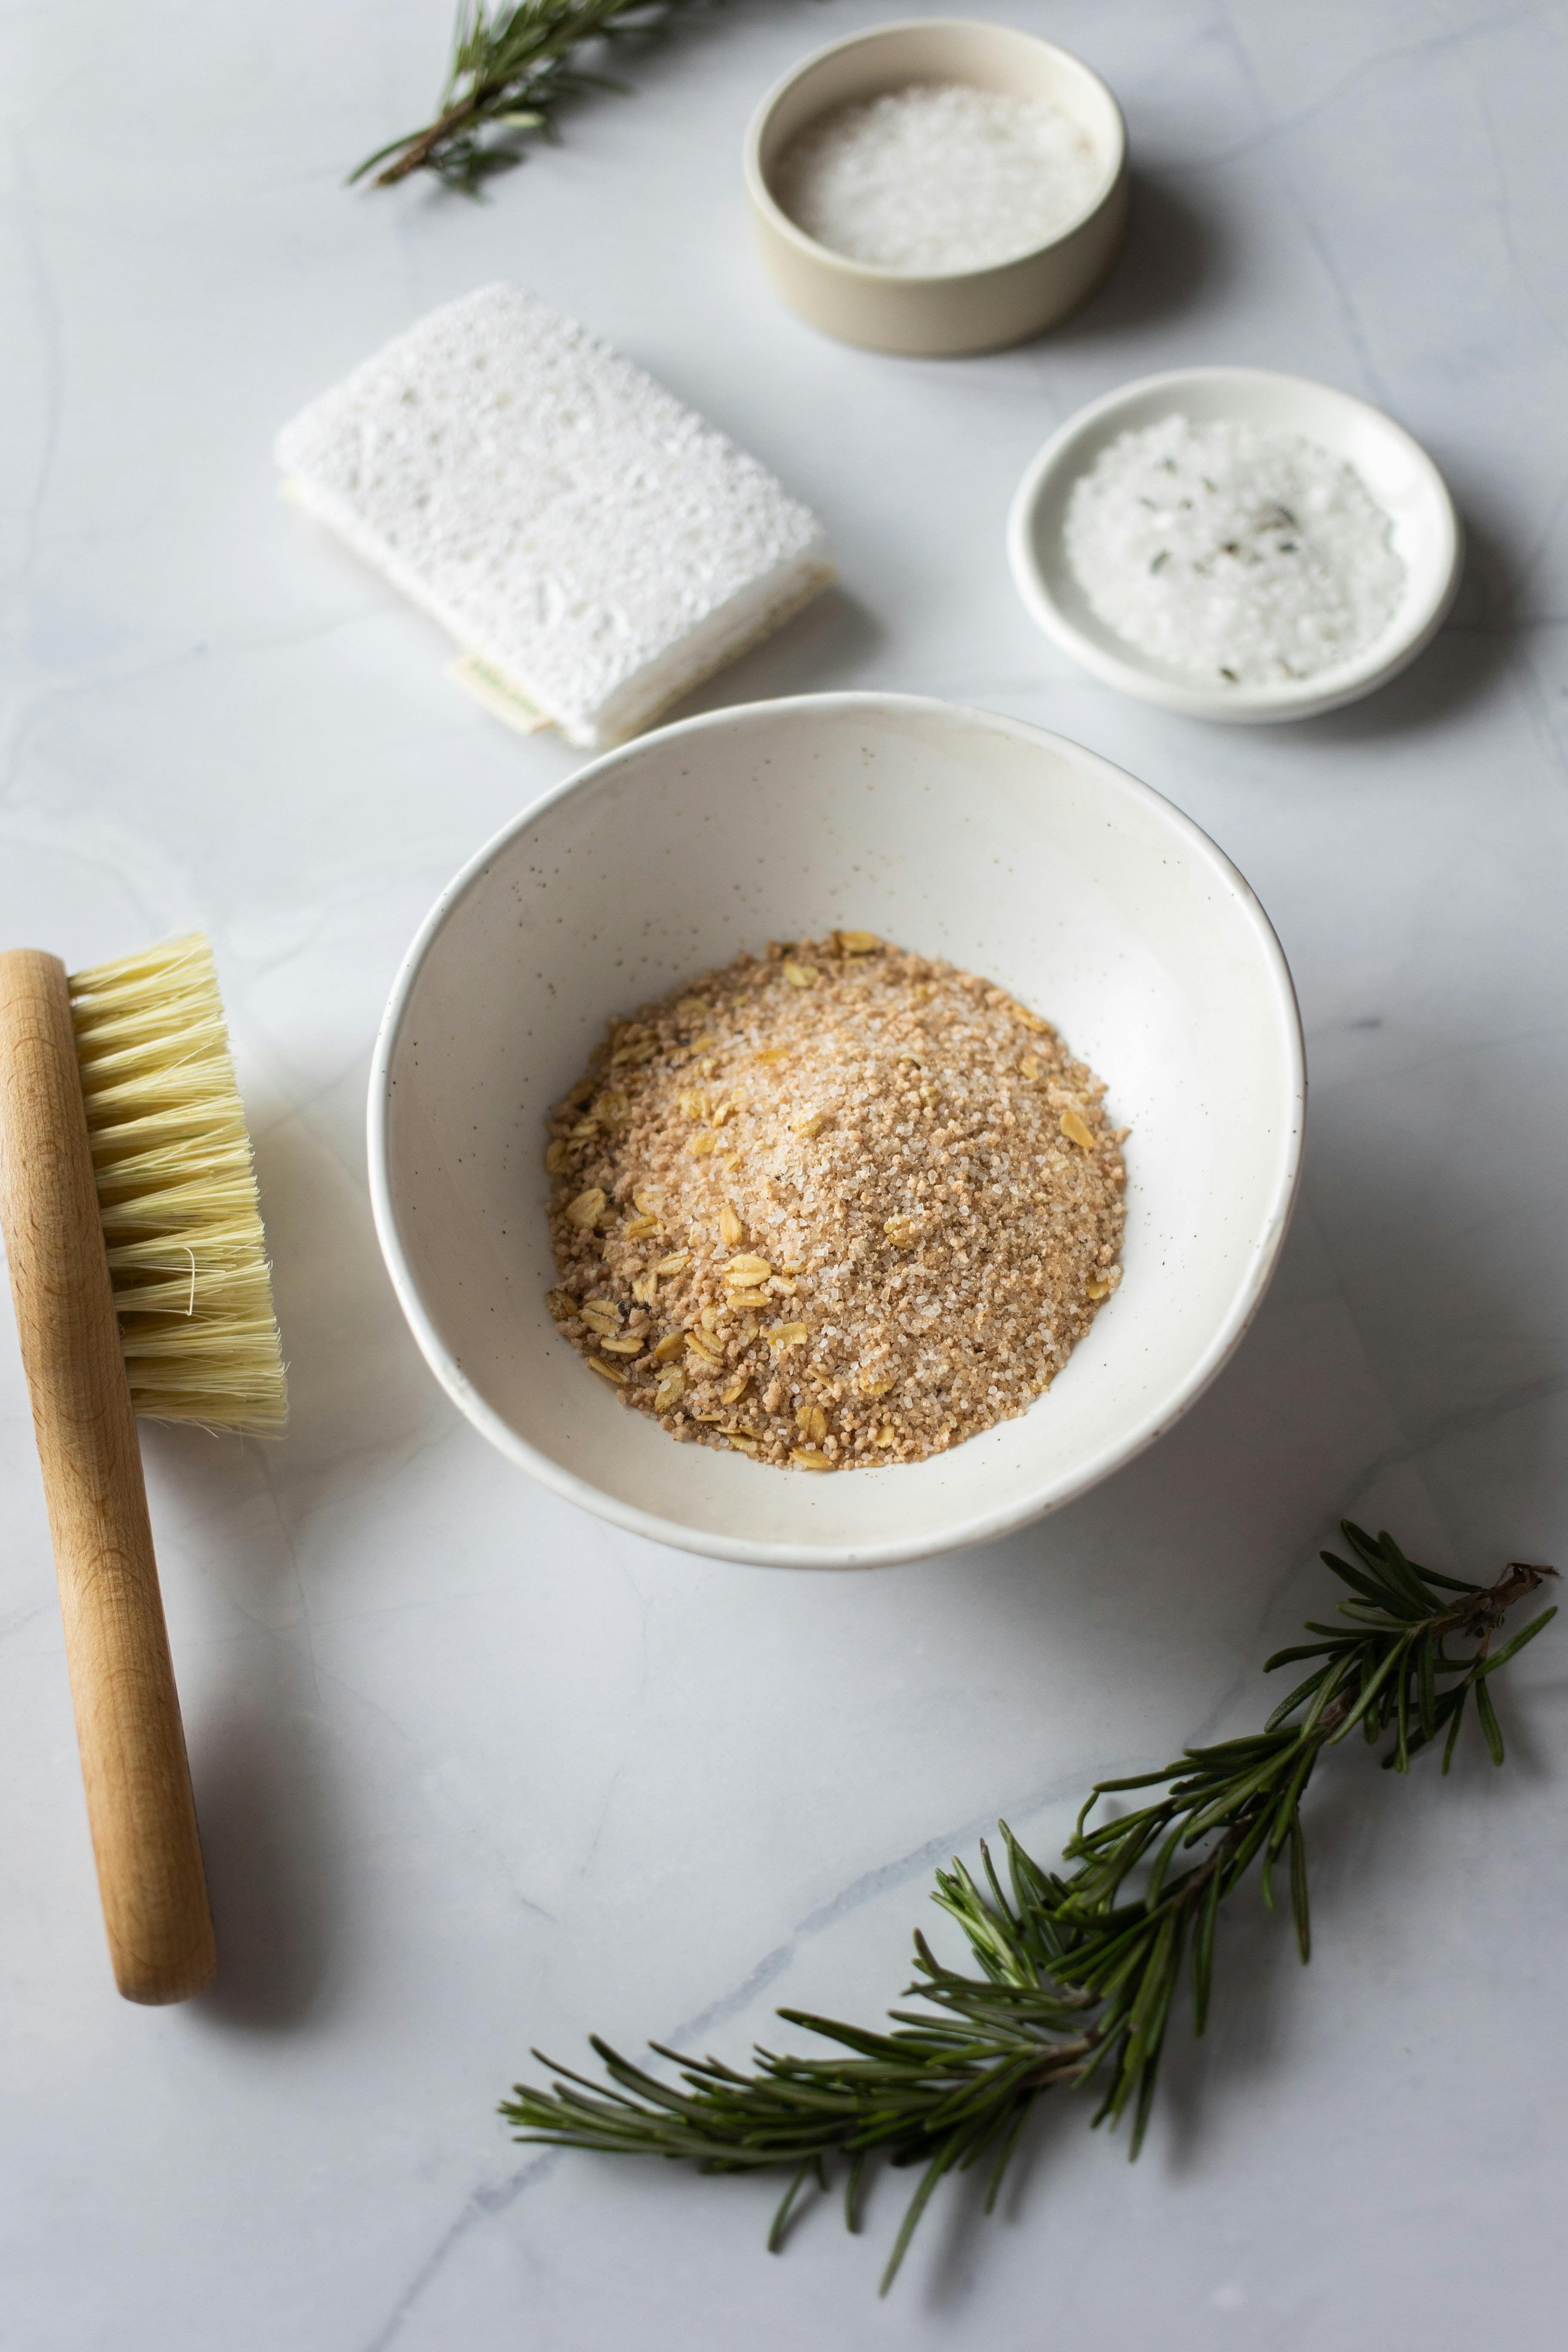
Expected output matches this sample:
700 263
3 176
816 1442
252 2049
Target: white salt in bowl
1397 470
970 310
953 831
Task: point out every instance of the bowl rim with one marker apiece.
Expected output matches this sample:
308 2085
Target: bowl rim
1253 705
873 273
981 1527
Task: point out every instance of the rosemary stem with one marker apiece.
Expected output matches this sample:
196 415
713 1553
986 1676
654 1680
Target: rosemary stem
416 153
939 2095
515 62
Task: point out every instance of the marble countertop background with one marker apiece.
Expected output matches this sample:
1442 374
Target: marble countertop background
475 1772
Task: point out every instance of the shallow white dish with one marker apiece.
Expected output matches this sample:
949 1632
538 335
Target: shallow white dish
953 832
1395 469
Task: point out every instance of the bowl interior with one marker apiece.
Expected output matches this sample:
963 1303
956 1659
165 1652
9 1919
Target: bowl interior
1396 469
940 49
955 833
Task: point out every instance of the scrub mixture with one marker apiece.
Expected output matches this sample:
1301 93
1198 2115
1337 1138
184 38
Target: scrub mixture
833 1207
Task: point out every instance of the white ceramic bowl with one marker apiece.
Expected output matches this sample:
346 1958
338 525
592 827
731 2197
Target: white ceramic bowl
953 831
1396 469
968 309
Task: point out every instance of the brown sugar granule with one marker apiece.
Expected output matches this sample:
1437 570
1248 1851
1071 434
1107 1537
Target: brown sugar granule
834 1208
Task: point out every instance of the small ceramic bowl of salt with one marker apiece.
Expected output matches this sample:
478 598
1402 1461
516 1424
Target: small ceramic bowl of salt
937 187
1235 544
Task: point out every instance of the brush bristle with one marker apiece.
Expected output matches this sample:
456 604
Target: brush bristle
176 1192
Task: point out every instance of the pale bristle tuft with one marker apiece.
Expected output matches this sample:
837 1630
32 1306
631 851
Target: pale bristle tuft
176 1192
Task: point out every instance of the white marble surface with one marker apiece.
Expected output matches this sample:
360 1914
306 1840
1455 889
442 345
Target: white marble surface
474 1772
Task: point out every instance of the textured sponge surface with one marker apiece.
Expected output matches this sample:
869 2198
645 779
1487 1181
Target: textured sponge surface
561 513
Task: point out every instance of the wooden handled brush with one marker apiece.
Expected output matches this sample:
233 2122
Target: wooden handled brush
138 1272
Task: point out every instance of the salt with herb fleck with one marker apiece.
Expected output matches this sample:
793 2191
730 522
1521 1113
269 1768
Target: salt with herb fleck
1232 554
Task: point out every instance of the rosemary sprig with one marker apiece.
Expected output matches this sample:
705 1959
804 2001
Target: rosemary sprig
1078 1973
510 69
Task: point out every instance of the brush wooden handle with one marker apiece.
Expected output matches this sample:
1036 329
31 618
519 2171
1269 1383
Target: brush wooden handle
139 1802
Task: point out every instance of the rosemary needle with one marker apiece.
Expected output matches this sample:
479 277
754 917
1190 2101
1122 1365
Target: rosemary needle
510 69
1078 1973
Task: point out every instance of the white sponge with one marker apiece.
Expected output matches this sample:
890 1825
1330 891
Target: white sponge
572 525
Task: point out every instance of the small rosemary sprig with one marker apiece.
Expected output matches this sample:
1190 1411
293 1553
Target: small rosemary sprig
510 69
1077 1973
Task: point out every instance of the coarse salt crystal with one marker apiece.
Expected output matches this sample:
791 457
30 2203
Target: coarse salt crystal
1232 554
938 178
